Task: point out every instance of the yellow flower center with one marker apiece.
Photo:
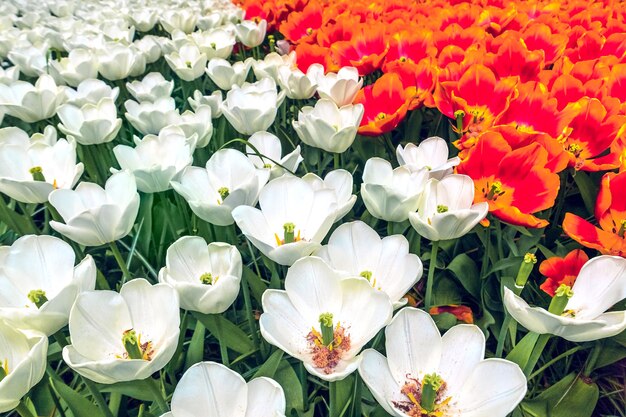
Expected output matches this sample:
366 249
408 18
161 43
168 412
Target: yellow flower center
289 235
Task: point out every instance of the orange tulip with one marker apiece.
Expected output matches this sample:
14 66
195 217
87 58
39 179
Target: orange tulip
562 270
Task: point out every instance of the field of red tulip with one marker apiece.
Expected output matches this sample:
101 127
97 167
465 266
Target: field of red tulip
312 208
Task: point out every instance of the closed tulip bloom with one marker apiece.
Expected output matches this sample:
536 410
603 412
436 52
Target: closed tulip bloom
578 313
431 153
183 19
293 219
250 33
123 336
197 123
151 88
116 61
150 118
31 168
391 194
206 277
156 160
31 103
30 60
228 181
427 374
22 364
225 75
341 87
94 216
355 249
214 101
340 182
296 83
9 75
252 107
92 123
39 282
446 209
327 126
80 65
270 150
322 319
187 62
210 387
90 91
268 67
144 19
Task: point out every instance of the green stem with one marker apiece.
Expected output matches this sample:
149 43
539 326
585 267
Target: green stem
592 359
431 274
504 330
153 386
23 410
536 353
555 360
249 314
120 261
333 407
337 161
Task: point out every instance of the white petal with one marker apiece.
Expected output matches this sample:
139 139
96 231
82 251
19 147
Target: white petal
463 347
375 372
265 398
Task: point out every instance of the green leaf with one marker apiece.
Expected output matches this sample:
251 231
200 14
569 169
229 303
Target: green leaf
268 369
571 396
465 270
195 353
444 321
226 332
588 190
77 403
503 264
257 287
523 350
130 389
610 353
288 379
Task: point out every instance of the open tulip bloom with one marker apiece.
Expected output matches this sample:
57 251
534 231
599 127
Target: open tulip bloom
230 180
39 282
431 153
355 249
270 150
293 219
211 389
323 319
94 216
425 374
206 278
123 336
578 313
22 364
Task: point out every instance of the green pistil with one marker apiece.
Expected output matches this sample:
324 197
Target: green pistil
560 299
289 235
326 324
38 297
37 174
431 385
131 344
224 192
441 208
207 278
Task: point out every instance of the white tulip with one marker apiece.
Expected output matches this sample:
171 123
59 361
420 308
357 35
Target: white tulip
144 19
327 126
156 160
293 219
425 373
123 336
214 101
296 83
80 65
92 123
355 249
391 194
268 67
225 75
183 19
31 168
252 107
600 284
431 153
22 364
250 33
150 47
446 209
30 59
117 61
341 87
211 389
31 103
322 319
229 180
217 43
270 150
151 88
90 92
187 62
340 182
150 118
94 216
198 123
39 282
9 75
207 278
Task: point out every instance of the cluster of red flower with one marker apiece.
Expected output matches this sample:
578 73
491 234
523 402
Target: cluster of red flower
535 87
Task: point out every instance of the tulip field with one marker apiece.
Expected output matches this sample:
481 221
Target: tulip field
312 208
